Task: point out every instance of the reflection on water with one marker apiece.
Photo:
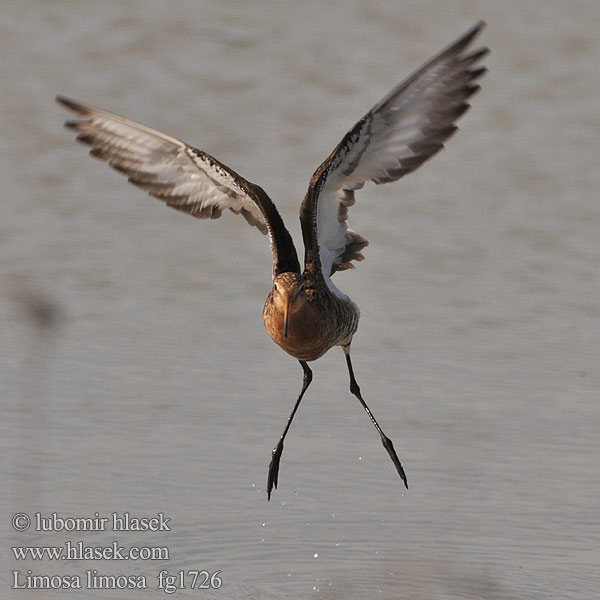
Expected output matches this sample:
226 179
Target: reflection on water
136 374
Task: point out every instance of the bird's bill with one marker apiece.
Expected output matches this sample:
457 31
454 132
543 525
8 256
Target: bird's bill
286 317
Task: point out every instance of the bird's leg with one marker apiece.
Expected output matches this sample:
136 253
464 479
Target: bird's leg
276 454
387 443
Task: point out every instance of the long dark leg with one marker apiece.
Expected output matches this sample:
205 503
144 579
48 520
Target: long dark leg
387 443
276 454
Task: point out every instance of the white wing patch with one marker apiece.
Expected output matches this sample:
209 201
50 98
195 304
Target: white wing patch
397 135
183 177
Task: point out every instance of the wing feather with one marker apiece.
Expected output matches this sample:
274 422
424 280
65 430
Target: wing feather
407 127
183 177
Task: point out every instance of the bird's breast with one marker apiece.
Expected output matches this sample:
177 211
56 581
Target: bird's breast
314 326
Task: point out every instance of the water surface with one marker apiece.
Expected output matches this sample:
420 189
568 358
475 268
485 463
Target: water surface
136 375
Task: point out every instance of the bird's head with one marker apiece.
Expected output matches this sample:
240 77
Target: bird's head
288 295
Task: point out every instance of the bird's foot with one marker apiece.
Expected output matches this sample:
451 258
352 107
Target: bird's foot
274 468
387 444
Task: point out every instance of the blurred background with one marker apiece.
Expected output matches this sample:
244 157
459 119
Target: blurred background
135 372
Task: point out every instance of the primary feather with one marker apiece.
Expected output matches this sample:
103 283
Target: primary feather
396 136
183 177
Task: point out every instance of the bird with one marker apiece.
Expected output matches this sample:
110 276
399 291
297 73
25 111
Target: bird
305 313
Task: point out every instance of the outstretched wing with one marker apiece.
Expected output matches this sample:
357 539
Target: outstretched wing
181 176
398 134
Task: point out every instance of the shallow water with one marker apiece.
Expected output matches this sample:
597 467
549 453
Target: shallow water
136 374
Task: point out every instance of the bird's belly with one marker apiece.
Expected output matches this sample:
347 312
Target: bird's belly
311 333
302 345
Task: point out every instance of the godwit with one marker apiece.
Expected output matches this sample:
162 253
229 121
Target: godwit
305 313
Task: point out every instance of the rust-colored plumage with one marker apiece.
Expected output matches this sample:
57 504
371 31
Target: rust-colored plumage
317 319
305 313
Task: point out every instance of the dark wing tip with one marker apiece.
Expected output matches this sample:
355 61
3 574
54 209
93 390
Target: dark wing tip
72 124
474 31
61 99
465 40
479 72
478 54
70 104
462 43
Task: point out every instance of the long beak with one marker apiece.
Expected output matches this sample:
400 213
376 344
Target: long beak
286 317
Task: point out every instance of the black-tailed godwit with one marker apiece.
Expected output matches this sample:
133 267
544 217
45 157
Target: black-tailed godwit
305 313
